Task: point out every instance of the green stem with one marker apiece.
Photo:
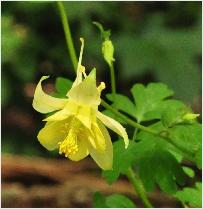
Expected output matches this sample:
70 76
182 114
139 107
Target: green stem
68 36
139 188
113 81
134 134
147 129
128 120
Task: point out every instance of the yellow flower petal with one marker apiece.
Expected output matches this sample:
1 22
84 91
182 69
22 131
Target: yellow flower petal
52 133
114 126
104 158
45 103
70 108
82 150
86 115
98 136
86 93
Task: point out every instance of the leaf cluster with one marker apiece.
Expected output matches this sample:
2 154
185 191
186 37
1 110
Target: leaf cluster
157 158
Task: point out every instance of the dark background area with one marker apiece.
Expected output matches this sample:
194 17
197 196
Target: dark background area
154 42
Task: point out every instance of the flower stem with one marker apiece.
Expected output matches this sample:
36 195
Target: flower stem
113 81
68 36
138 185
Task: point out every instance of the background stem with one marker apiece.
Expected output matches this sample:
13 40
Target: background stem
113 81
68 36
139 188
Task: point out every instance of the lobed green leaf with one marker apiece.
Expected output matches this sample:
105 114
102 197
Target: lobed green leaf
62 86
112 201
191 196
149 100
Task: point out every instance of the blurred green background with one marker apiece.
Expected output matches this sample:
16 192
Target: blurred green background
154 42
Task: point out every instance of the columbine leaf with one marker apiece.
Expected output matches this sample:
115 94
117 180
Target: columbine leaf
189 171
112 201
150 100
191 196
175 113
119 201
152 157
157 165
188 137
63 85
198 157
99 200
122 159
122 103
156 161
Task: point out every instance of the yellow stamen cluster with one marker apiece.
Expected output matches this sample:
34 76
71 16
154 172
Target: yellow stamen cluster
69 146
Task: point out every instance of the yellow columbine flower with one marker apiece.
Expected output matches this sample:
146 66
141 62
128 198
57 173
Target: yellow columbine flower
77 129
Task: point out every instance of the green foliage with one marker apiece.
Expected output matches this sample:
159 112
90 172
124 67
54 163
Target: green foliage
112 201
153 159
189 171
177 114
62 86
158 166
153 102
156 159
123 103
150 100
188 137
119 201
99 200
198 157
191 196
122 159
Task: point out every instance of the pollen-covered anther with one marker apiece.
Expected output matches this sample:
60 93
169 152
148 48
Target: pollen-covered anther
69 145
101 87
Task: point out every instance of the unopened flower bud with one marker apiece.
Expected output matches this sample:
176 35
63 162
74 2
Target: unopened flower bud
190 116
108 51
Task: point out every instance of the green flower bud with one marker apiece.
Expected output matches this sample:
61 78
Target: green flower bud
190 116
108 51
